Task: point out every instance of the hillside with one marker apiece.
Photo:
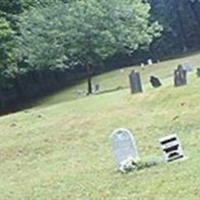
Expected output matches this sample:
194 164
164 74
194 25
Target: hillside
60 149
117 79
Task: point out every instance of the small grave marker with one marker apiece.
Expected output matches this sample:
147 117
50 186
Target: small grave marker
171 147
135 82
142 65
150 62
96 88
125 149
180 76
155 81
80 93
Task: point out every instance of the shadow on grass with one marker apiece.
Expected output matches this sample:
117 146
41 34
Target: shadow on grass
111 90
147 164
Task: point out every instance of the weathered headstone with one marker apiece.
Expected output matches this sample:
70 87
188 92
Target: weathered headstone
171 147
141 65
80 93
125 149
96 88
198 72
135 82
180 76
155 81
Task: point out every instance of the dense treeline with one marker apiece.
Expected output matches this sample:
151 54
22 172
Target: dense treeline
181 22
43 44
18 81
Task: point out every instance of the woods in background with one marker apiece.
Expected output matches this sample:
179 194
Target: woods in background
181 23
42 42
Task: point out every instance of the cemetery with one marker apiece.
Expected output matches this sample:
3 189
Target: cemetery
99 100
116 145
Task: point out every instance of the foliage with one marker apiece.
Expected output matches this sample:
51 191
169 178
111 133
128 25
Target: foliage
181 22
85 32
6 35
10 11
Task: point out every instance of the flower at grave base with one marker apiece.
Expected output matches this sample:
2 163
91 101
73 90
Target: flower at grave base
128 165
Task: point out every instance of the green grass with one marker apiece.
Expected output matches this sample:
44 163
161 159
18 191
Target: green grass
61 150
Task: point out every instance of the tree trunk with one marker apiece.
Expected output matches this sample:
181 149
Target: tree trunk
89 85
89 78
181 26
192 4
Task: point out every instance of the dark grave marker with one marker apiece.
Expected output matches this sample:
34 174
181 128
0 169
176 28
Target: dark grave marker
135 82
155 81
180 76
171 147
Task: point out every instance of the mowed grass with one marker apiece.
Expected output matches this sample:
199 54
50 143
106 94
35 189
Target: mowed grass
61 151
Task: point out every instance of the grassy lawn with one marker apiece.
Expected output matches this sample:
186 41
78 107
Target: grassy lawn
60 149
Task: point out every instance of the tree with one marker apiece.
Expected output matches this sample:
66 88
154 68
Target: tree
181 23
85 33
6 35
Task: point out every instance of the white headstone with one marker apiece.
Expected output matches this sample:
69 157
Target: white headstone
142 65
171 147
188 67
125 149
150 62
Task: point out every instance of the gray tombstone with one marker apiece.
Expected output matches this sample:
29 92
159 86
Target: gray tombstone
180 76
125 149
171 147
96 88
135 82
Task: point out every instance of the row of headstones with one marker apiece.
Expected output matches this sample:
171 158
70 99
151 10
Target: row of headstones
126 152
180 79
149 62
